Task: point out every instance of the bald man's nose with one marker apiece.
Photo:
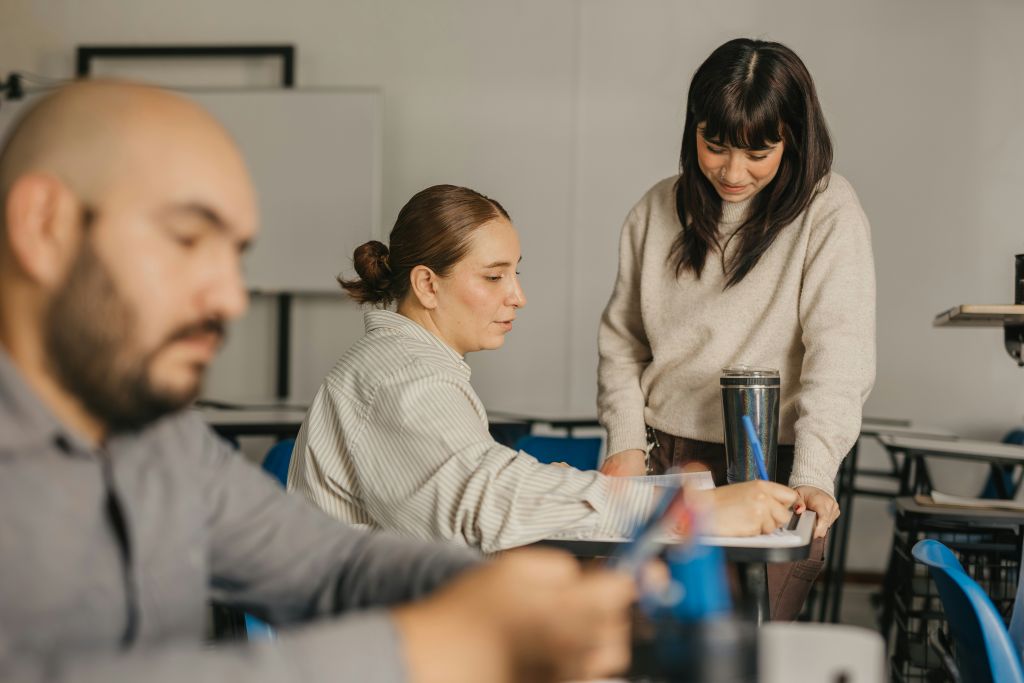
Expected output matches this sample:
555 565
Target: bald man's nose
227 297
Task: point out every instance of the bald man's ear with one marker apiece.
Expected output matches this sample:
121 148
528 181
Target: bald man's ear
423 283
42 227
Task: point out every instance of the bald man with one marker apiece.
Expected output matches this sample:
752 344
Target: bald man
125 213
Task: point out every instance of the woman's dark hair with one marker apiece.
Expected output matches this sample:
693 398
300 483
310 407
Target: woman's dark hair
433 229
749 94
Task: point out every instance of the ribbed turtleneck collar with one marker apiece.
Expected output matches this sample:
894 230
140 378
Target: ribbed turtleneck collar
733 213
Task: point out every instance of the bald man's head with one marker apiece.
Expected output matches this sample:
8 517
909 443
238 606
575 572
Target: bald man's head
125 212
92 134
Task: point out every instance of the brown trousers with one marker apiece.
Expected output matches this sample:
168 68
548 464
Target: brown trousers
789 583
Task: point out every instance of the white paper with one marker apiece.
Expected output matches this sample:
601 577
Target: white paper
702 480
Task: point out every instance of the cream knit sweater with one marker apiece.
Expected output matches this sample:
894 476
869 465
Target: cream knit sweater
807 308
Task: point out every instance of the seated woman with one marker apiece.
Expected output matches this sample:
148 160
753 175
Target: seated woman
397 438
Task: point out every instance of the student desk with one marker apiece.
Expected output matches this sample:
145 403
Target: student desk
283 421
988 545
280 421
751 561
846 489
1008 316
914 476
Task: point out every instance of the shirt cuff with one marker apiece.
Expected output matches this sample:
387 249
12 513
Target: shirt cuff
806 472
627 506
626 433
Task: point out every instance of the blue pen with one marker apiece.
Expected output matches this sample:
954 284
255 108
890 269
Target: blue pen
755 445
645 542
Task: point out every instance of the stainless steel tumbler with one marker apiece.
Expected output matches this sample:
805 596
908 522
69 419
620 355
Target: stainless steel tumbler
755 392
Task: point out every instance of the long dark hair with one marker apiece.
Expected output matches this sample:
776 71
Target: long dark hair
433 229
749 94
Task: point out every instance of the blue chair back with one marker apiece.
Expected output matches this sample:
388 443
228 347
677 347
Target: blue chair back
1017 620
278 458
984 652
275 462
581 453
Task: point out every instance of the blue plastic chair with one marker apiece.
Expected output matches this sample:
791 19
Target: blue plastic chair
581 453
1017 619
276 463
278 458
984 652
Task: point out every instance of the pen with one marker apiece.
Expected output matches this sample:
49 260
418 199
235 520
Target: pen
755 445
646 542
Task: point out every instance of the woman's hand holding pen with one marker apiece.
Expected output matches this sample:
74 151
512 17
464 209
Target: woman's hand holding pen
750 508
823 504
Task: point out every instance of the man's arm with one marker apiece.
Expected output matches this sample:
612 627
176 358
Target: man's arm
531 616
366 647
280 558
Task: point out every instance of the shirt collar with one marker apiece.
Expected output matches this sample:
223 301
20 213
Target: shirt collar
25 421
382 319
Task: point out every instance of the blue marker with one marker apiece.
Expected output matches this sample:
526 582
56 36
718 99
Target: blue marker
645 542
755 445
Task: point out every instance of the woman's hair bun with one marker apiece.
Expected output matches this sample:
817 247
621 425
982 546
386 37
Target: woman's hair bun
371 261
374 283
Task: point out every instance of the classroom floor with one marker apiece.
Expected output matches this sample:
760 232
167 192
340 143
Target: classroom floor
857 609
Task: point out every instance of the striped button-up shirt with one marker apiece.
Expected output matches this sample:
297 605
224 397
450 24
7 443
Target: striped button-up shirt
397 438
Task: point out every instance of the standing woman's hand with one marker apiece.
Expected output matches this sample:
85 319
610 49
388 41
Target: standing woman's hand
631 463
823 504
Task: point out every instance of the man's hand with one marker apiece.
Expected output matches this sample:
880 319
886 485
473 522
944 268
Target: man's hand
531 615
629 463
749 508
820 502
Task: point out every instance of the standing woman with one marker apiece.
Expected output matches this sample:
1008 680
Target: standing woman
756 254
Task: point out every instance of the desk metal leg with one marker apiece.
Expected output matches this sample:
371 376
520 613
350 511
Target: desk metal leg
830 589
754 583
906 471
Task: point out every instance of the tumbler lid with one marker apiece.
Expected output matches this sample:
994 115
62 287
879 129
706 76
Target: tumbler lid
747 375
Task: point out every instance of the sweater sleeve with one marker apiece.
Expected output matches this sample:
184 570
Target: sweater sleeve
427 466
623 348
837 317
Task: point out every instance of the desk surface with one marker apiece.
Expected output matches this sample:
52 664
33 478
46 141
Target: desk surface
252 415
908 505
554 419
981 315
269 420
736 549
963 449
923 431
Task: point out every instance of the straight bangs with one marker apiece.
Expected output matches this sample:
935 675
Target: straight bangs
741 119
750 95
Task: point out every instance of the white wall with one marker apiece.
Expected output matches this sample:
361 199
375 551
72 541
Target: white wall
567 111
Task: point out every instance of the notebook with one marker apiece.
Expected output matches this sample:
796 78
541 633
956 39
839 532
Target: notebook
795 534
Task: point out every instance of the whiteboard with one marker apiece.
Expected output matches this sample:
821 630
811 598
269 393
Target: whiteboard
315 159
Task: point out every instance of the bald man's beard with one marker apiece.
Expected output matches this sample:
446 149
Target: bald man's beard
90 332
